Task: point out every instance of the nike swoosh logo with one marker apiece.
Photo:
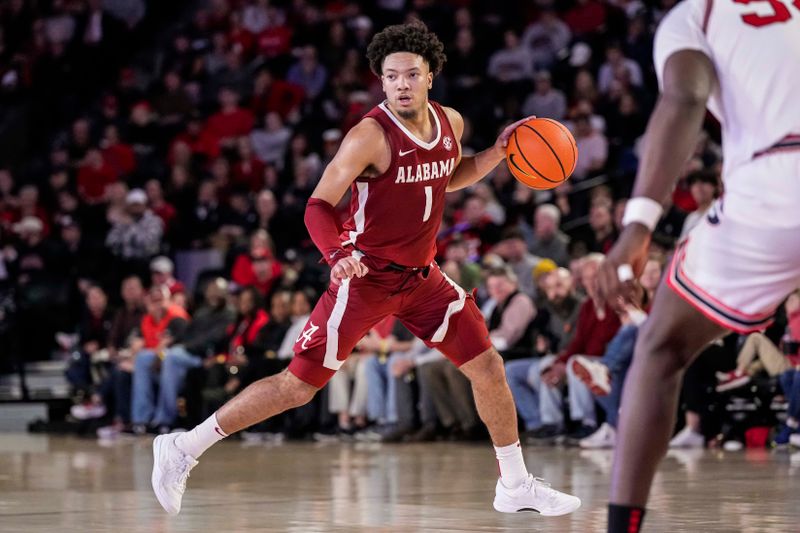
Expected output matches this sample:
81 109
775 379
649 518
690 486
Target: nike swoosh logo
402 153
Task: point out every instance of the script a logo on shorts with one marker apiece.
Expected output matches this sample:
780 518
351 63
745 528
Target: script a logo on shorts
448 143
307 334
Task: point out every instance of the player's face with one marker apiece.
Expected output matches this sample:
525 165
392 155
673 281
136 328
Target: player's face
406 80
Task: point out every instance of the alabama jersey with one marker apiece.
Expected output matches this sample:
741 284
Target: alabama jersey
755 49
395 216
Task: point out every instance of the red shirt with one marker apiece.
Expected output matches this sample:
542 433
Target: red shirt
396 216
587 18
121 158
249 173
592 335
166 212
92 181
246 330
222 125
243 274
274 41
152 330
282 97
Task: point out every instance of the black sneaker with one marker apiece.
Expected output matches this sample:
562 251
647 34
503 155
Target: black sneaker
546 435
574 438
427 433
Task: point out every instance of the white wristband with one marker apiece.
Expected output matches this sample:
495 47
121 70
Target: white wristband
643 210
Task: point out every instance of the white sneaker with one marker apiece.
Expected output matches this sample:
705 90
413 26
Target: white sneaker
87 411
593 374
794 440
534 495
604 437
171 468
687 438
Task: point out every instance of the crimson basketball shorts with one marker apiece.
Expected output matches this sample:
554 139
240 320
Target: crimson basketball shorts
735 272
432 306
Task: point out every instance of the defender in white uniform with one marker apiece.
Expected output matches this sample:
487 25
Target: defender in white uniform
741 58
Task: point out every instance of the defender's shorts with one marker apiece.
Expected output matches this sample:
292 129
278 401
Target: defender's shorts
736 273
427 302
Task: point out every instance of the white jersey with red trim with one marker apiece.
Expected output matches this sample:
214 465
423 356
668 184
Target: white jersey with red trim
755 48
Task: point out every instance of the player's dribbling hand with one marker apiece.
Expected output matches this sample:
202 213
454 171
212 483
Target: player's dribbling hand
502 139
346 268
630 249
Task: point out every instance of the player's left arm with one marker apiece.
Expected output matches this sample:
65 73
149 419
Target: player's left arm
470 169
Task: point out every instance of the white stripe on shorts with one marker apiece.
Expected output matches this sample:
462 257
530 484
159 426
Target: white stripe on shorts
334 321
454 307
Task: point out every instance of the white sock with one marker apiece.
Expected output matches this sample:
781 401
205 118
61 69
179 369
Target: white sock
512 465
201 438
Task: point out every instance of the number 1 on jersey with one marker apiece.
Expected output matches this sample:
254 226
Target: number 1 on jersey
428 203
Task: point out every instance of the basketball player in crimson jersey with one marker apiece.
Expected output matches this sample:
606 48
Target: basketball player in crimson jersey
739 59
399 162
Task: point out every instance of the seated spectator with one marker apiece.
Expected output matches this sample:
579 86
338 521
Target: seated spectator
88 360
308 73
269 143
302 303
229 123
545 101
257 267
592 145
451 394
606 375
760 353
161 274
162 327
458 265
236 369
137 236
514 251
475 226
511 316
381 385
546 38
116 390
159 205
594 330
547 241
615 60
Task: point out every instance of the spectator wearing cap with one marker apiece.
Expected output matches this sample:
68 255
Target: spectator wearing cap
704 188
32 257
546 240
514 252
137 235
257 267
161 275
331 140
162 327
545 101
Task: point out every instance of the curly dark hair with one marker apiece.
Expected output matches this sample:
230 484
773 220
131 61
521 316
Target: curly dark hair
414 37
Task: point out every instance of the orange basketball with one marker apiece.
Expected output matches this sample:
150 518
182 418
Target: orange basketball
541 153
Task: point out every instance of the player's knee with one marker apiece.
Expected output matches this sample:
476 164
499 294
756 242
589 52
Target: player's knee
486 368
667 352
296 392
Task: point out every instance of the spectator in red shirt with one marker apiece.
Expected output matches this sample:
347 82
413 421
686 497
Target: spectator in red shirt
94 175
161 275
258 266
593 331
272 94
586 17
230 122
155 196
249 170
119 156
